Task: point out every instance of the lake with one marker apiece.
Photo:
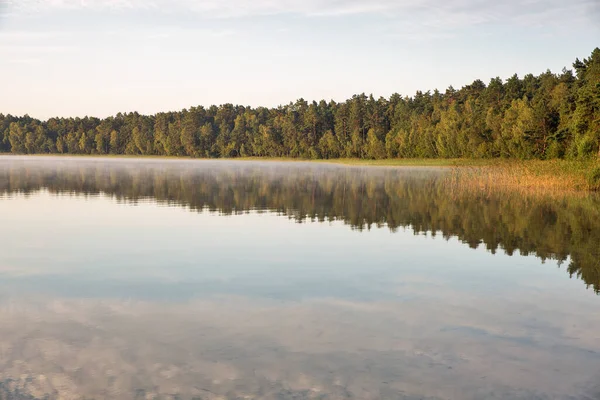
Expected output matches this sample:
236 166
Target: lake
168 279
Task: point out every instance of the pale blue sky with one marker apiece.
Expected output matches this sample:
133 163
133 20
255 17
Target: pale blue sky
99 57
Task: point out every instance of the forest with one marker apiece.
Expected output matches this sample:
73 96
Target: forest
547 116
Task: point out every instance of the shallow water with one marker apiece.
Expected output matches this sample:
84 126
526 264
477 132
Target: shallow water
154 279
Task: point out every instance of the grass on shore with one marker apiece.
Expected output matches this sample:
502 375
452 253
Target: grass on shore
486 174
532 175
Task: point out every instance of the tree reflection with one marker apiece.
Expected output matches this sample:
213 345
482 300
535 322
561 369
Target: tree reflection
560 228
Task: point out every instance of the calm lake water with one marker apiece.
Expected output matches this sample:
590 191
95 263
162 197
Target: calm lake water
150 279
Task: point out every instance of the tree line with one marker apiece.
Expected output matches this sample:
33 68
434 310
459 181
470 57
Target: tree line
567 230
544 117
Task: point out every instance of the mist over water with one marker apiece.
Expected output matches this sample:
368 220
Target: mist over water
212 279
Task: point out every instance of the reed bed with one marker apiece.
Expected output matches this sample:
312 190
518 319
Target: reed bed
529 176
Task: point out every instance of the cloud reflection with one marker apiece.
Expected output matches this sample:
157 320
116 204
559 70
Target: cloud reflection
235 347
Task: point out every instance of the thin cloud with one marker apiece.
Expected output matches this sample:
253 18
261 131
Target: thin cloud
3 11
41 5
219 8
23 35
437 15
35 49
175 32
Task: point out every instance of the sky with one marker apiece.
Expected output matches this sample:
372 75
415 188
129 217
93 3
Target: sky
101 57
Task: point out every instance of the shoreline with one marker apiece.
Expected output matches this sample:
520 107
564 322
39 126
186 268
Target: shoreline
346 161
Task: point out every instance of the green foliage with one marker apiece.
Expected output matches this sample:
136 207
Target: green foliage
375 147
329 146
555 150
536 117
586 146
594 178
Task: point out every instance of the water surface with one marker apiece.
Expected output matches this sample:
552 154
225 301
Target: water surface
154 279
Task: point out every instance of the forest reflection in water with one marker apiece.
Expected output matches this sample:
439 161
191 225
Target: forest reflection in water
563 228
216 293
